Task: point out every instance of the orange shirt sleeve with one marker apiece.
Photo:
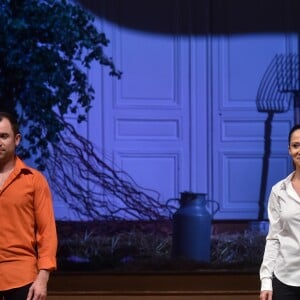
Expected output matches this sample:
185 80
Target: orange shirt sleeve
46 236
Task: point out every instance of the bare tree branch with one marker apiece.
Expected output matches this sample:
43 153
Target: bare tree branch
93 188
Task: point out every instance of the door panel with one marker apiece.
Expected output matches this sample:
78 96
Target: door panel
239 63
147 112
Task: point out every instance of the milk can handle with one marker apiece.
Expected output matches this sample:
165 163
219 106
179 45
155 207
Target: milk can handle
170 207
215 210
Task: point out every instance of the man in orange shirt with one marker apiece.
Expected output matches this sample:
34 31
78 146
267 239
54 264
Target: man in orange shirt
28 239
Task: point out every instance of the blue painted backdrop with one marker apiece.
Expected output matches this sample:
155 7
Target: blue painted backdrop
184 116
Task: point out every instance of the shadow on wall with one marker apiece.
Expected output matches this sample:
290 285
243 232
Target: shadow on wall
200 16
278 88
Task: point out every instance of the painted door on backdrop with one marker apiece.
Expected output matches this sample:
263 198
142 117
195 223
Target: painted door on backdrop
145 116
243 171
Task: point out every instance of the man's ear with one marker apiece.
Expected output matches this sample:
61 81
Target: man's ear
18 139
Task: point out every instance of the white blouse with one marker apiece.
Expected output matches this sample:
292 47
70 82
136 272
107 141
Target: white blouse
282 251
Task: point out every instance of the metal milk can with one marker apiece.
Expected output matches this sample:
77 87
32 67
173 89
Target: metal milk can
192 227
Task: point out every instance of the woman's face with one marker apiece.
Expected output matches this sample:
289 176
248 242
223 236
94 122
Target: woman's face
294 148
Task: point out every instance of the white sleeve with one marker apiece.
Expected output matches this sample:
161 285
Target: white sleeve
272 243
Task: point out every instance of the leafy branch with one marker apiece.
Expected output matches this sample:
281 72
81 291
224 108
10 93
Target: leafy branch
46 48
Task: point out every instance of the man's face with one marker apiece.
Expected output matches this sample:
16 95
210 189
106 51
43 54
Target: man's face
8 140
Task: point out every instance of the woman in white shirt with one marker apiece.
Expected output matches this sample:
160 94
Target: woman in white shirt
280 269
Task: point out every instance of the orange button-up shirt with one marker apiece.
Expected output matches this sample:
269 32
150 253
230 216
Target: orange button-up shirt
28 239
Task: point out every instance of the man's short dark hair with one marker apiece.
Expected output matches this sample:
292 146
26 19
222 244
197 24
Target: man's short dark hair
12 119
